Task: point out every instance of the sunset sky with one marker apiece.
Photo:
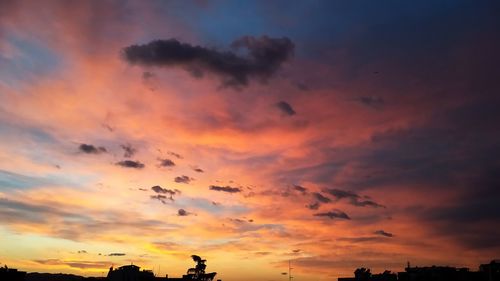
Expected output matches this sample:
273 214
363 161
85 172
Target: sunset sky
332 134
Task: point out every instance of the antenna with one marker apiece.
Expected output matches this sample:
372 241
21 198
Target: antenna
289 271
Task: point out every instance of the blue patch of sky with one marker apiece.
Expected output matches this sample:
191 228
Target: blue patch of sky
11 180
34 59
315 25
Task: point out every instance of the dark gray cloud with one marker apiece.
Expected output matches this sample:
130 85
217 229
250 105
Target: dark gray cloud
166 163
264 56
285 108
128 150
130 164
321 198
198 170
183 179
354 199
183 213
116 254
335 214
164 194
91 149
300 189
225 188
383 233
161 190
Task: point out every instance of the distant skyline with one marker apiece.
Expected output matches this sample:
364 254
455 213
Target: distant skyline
332 134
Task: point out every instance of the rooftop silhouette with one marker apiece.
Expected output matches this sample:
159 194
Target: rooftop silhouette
486 272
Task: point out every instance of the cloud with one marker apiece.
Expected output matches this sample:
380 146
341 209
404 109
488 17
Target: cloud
75 264
176 155
300 189
183 213
160 194
128 150
225 188
359 239
159 189
264 56
354 199
197 169
321 198
116 254
333 214
162 198
183 179
82 252
90 149
130 164
285 108
383 233
166 163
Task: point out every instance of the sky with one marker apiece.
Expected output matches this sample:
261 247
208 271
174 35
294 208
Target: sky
331 134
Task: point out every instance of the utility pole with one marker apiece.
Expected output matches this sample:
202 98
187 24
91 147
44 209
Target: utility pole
289 271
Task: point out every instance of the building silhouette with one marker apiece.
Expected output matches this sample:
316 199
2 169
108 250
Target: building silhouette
11 274
486 272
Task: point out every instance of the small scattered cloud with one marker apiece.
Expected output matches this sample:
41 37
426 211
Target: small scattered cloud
227 188
91 149
300 189
176 155
321 198
128 150
354 199
183 179
164 194
116 254
197 169
130 164
166 163
335 214
82 252
161 190
285 108
183 213
383 233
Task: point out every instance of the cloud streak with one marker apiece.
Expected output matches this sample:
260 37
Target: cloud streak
227 189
